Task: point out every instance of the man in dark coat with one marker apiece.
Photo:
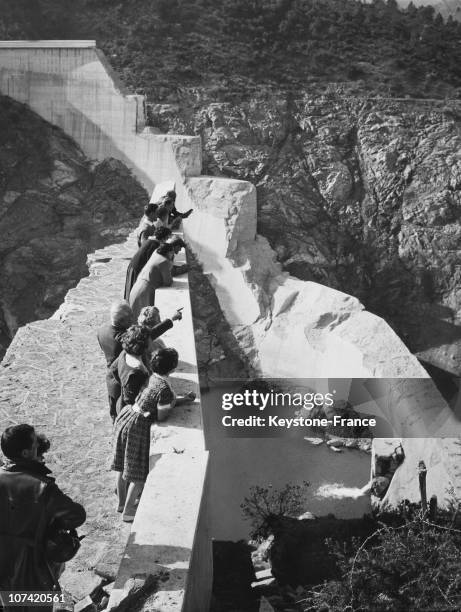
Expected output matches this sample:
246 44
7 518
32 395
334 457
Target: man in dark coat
30 504
121 317
142 256
109 338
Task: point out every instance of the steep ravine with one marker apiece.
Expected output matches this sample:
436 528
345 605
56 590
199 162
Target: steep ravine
56 206
360 195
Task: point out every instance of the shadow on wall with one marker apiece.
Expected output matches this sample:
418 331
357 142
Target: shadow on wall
410 303
218 352
167 578
94 134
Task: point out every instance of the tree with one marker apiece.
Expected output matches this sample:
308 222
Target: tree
264 504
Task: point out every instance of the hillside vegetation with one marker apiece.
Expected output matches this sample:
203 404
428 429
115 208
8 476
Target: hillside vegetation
230 45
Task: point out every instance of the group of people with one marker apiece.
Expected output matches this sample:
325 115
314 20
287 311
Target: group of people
36 517
138 362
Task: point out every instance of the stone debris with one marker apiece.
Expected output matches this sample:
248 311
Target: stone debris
314 441
265 582
106 570
262 574
265 606
307 516
135 590
259 557
85 605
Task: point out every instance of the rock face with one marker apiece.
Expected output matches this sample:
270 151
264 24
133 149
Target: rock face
55 207
360 195
441 458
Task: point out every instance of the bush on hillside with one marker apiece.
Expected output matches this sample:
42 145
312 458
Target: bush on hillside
411 563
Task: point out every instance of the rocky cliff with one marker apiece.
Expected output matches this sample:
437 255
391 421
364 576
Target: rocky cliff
56 206
360 195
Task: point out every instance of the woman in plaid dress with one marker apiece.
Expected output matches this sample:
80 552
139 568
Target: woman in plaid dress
132 430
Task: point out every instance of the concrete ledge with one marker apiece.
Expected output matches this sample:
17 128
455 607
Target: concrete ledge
163 534
47 44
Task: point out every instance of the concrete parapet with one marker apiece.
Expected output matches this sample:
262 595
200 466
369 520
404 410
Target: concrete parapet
165 532
292 328
47 44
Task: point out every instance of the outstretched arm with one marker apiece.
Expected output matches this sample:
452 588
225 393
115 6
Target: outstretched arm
161 328
174 214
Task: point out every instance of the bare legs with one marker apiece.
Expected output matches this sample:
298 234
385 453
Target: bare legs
133 493
121 491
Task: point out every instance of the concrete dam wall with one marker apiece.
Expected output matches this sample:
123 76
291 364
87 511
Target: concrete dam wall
286 327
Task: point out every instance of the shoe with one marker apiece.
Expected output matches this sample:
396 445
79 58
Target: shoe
126 518
120 508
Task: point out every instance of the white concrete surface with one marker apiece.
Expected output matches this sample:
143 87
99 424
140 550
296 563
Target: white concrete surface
166 528
47 44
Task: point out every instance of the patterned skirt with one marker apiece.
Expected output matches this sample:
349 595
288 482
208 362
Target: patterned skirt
131 445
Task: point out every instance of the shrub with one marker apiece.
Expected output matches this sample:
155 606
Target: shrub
264 504
410 563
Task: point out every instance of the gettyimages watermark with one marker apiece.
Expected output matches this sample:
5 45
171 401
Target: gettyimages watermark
353 407
257 400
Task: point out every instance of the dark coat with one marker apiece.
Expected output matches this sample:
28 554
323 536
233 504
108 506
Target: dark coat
30 502
109 341
175 214
137 263
131 380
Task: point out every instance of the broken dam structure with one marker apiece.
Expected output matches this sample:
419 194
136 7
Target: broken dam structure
54 376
